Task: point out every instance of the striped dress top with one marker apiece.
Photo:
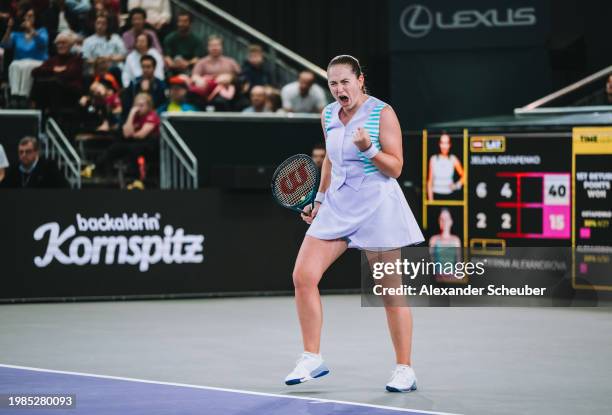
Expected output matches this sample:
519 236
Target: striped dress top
362 205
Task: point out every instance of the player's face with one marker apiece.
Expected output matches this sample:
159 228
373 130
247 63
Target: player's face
445 144
344 86
445 221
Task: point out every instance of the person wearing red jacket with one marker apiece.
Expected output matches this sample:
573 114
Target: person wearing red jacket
58 82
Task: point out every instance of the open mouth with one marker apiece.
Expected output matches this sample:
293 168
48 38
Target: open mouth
343 98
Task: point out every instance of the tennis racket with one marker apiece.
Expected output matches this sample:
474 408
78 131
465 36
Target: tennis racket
295 183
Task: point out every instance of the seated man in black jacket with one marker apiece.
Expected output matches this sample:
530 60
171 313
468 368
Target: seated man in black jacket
32 171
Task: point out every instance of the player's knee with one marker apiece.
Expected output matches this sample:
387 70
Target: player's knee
303 279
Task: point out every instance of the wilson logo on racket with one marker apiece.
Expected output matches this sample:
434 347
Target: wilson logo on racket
292 181
295 182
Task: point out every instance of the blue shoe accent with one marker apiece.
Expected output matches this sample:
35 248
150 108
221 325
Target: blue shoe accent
317 373
320 371
410 389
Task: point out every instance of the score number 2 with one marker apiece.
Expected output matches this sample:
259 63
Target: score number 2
481 221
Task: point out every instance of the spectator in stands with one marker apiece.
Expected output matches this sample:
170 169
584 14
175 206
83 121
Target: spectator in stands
101 68
4 164
223 94
609 90
158 12
258 100
137 19
274 102
215 62
32 171
103 106
303 95
29 44
140 137
182 48
318 154
8 9
60 18
177 99
102 8
133 69
104 43
254 70
213 93
58 82
146 83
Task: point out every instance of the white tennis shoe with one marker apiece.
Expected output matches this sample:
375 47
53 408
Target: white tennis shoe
402 380
308 367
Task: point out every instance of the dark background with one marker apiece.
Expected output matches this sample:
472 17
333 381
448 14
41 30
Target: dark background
432 86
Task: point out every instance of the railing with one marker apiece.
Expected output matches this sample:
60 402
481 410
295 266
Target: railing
285 63
58 148
178 167
576 94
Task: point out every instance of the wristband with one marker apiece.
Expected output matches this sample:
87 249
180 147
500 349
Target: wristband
320 197
371 151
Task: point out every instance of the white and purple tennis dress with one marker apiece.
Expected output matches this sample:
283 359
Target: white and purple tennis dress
361 204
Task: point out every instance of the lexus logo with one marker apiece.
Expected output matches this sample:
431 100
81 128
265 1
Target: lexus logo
416 21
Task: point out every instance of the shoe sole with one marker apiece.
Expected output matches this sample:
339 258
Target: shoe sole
410 389
317 373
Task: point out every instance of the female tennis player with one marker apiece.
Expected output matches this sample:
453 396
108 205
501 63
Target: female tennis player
359 205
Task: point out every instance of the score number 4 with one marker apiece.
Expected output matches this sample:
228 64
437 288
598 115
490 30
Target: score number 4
481 190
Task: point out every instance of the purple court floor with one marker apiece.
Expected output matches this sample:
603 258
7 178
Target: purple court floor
97 395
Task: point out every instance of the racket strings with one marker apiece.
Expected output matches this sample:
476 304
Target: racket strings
295 182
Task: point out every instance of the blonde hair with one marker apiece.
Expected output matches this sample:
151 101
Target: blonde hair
146 97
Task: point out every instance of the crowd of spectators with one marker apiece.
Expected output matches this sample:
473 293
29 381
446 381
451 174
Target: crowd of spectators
85 58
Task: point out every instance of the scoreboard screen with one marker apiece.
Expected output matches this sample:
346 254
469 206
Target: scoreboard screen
520 189
491 192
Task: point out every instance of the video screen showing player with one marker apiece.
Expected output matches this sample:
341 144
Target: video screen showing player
445 174
445 245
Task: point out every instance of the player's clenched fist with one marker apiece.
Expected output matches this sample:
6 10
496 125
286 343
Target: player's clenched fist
361 139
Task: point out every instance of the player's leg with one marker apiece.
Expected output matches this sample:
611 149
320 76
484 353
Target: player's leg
313 259
399 321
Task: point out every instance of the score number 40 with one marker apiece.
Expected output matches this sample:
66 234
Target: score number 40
556 194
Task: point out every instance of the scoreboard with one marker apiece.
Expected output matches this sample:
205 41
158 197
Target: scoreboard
519 189
524 189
